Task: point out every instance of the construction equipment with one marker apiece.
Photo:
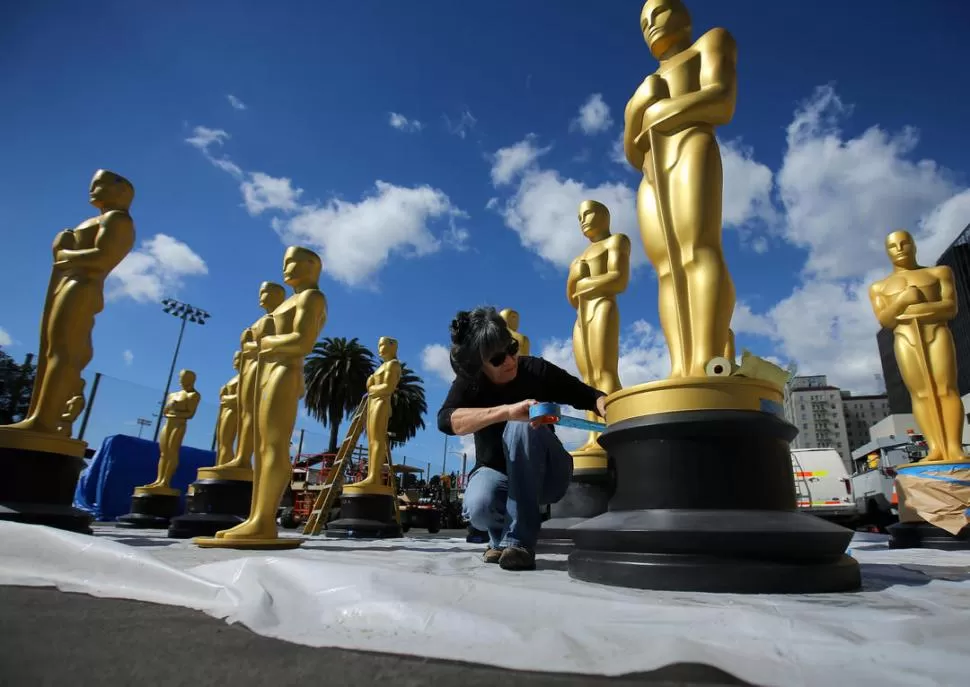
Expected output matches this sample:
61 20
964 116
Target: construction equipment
326 496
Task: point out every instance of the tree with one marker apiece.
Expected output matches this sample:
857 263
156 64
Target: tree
336 373
16 384
408 407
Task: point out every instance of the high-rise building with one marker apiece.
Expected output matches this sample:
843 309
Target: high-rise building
957 258
828 417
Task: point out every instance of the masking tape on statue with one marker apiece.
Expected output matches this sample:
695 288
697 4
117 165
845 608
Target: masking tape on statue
718 367
551 413
937 493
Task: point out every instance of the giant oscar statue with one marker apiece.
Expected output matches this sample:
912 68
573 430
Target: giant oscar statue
511 318
367 507
288 336
704 496
39 461
153 505
596 278
917 303
218 500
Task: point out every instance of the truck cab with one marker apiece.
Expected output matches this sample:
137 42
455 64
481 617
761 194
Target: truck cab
874 476
823 486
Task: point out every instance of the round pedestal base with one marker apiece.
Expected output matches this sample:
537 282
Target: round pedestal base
923 535
150 511
37 488
705 501
216 504
587 496
365 516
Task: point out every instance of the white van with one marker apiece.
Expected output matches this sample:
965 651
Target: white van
823 486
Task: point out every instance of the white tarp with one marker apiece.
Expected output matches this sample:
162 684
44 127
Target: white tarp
435 598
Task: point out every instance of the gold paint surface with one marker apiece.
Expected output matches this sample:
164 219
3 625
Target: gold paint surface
511 318
180 407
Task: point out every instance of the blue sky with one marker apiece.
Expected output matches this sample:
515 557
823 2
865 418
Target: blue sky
435 154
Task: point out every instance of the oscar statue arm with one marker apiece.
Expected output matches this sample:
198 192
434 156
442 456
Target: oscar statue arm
942 310
392 375
190 404
632 128
617 276
713 103
115 239
888 310
575 274
311 312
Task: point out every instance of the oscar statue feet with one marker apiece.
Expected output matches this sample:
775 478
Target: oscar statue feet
221 500
249 535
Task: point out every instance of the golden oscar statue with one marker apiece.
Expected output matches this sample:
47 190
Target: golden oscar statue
596 278
289 336
271 295
673 521
366 507
153 505
511 318
39 460
228 423
917 303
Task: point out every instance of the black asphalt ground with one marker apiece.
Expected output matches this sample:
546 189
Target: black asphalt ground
52 638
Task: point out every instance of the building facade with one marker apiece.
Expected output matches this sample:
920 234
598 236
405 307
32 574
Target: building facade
828 417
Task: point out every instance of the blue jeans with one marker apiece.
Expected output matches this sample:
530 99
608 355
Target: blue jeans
508 506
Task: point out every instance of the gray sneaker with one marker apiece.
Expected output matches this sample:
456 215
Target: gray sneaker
517 558
492 555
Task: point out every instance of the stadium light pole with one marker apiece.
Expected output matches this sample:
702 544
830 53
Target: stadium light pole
186 313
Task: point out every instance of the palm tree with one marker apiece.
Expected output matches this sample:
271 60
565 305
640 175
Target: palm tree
336 373
408 407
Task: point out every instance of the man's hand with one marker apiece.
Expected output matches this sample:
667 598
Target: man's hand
601 407
519 412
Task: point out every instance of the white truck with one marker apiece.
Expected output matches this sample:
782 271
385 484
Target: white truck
823 486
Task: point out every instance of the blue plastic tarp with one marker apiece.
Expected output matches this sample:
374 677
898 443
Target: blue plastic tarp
122 463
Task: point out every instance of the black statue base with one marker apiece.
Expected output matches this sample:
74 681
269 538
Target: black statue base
215 505
150 511
705 501
365 516
923 535
587 496
37 488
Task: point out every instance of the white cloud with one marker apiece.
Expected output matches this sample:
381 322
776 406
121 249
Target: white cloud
461 126
156 269
841 197
5 338
594 116
402 123
747 187
128 356
435 358
236 102
508 163
263 192
356 239
747 322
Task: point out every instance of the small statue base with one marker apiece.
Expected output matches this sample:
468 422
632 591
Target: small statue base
269 544
38 483
923 535
587 496
151 509
705 499
937 491
365 516
216 505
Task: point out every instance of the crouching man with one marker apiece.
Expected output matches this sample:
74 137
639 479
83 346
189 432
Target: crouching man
518 467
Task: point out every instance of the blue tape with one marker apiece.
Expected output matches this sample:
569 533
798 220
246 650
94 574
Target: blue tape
553 409
773 407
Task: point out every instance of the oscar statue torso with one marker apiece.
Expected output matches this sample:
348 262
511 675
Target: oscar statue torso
83 258
596 278
380 388
917 304
670 137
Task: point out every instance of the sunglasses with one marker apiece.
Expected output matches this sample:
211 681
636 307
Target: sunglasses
499 358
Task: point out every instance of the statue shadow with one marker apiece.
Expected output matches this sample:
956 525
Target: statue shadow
877 577
310 546
145 541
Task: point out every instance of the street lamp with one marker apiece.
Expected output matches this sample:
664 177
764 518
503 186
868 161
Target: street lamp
142 423
186 313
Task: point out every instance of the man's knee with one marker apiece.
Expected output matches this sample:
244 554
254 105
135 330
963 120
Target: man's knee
482 499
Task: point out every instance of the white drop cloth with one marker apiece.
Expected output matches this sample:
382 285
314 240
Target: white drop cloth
434 597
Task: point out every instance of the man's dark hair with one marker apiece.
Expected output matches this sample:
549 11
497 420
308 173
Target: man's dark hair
476 336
